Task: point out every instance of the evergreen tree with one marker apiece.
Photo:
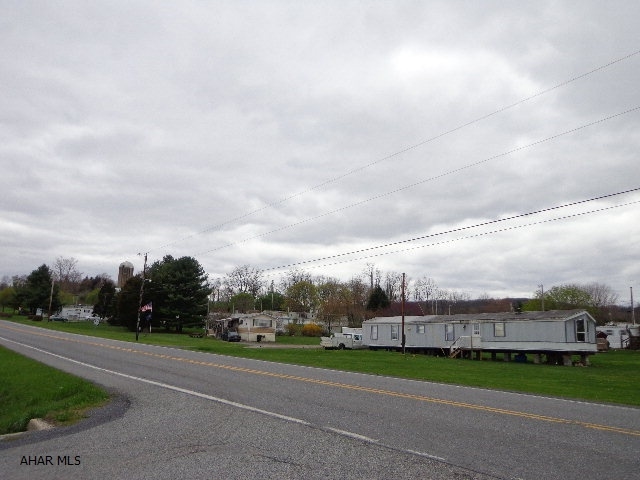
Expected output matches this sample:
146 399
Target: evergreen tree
378 299
36 292
128 303
178 291
105 305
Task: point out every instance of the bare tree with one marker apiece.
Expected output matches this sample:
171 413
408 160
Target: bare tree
65 272
393 285
453 297
601 295
216 289
18 281
244 279
423 288
373 275
438 299
293 277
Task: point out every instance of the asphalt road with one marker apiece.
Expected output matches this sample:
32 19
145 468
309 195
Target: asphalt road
181 414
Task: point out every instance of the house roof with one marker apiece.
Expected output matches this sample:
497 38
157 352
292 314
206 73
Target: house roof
238 316
550 315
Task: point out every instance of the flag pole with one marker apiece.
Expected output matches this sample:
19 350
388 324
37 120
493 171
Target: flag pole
403 336
144 272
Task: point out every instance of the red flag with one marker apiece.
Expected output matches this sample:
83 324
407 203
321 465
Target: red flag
147 308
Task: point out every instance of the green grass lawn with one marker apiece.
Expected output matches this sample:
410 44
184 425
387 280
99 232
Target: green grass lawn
611 378
29 389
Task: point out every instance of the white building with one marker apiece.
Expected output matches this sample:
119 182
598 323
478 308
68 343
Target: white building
557 334
76 313
618 334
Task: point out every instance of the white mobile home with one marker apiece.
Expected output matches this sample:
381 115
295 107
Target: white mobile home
557 334
76 313
252 327
618 335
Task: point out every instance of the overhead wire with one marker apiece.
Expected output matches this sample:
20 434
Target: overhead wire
354 252
402 151
443 242
415 184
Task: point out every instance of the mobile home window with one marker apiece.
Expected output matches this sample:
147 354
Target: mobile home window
374 332
476 329
394 332
419 328
448 332
498 329
581 330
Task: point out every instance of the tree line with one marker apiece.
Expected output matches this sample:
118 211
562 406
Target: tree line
179 294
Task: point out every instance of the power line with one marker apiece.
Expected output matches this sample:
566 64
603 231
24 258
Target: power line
404 150
415 184
455 239
469 227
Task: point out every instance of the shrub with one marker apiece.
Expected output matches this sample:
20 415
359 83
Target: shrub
311 330
293 329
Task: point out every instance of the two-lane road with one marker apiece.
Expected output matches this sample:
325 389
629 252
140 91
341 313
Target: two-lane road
197 415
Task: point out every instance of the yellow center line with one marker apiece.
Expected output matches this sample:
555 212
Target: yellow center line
347 386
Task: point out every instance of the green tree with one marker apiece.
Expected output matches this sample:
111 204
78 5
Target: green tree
8 298
242 302
104 305
67 298
36 291
335 302
568 296
596 298
127 304
358 289
378 299
270 301
178 291
302 296
91 297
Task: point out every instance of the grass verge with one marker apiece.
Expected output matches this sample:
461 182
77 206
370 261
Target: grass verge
29 389
609 379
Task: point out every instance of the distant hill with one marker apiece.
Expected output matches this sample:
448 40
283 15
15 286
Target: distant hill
490 305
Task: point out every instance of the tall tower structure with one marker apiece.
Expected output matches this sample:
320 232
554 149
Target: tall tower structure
125 272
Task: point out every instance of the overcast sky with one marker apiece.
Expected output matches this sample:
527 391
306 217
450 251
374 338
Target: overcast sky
277 133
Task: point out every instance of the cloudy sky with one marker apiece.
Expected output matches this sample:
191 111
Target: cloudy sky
325 136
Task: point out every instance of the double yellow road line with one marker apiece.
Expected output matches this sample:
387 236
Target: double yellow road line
347 386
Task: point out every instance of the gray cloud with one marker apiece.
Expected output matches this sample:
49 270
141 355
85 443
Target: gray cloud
136 126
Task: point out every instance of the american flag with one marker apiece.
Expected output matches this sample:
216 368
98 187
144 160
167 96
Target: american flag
147 308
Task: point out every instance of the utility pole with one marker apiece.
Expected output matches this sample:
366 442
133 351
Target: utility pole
633 310
542 295
403 336
51 300
144 273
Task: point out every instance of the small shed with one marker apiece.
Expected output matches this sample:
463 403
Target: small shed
557 334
